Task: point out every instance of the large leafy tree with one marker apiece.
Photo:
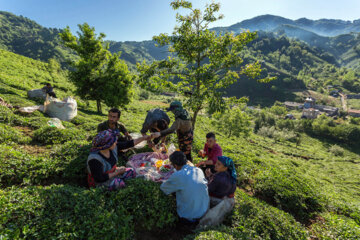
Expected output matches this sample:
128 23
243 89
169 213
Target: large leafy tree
98 75
205 62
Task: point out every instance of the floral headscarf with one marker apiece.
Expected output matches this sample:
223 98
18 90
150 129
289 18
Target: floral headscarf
229 163
104 140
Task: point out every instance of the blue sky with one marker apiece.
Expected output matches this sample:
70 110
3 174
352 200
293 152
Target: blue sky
137 20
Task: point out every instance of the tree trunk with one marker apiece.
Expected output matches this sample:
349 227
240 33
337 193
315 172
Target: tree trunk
98 105
193 120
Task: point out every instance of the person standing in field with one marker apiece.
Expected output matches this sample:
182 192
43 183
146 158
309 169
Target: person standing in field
183 128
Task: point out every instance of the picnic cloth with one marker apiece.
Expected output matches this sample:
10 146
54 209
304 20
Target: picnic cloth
145 166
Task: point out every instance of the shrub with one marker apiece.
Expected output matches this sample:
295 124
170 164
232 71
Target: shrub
288 191
336 150
336 227
151 208
68 212
234 123
254 219
62 212
9 134
51 135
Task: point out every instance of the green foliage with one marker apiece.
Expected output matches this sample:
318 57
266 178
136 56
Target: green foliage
234 122
288 191
151 208
336 150
254 219
205 60
51 135
62 212
278 110
98 75
336 227
9 134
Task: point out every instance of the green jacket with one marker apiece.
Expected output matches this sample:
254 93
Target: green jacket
105 126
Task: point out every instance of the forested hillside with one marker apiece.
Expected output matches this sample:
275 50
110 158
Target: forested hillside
315 63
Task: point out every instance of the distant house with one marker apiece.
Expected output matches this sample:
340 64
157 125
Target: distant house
310 113
354 113
293 105
330 111
169 94
309 102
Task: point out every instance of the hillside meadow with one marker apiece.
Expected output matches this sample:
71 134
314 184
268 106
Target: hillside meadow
286 190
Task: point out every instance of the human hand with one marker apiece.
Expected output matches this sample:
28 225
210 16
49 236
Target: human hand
208 172
155 135
120 170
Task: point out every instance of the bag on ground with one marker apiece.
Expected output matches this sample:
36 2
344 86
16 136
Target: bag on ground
36 93
64 110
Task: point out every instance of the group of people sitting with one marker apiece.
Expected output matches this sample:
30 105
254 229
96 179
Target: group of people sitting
197 188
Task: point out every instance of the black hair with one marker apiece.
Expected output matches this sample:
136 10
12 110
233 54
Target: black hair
210 135
162 124
115 110
48 84
178 158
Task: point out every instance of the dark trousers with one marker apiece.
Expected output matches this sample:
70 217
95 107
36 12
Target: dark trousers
212 168
189 157
52 94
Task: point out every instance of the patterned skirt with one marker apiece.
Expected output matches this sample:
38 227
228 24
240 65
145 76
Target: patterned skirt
185 141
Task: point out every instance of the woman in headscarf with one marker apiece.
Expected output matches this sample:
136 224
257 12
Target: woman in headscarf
223 183
183 128
102 160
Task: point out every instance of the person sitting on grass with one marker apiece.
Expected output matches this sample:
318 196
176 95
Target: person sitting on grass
114 124
49 90
223 183
190 186
156 120
102 161
212 151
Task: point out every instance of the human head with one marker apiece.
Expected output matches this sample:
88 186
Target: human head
210 139
229 164
114 115
219 167
178 159
48 85
104 140
174 105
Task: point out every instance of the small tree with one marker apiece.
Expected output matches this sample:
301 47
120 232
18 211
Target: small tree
98 74
205 60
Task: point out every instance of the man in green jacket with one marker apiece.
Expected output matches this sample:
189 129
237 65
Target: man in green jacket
114 124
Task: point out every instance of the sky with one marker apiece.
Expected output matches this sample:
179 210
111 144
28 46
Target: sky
137 20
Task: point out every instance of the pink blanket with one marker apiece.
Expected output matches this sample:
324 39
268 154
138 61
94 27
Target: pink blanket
144 164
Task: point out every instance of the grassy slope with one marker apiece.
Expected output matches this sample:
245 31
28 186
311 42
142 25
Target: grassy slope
278 173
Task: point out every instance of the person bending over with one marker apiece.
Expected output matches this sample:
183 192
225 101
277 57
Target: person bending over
183 128
156 121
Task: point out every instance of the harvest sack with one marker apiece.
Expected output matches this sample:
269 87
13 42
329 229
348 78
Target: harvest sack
31 109
216 215
36 93
64 110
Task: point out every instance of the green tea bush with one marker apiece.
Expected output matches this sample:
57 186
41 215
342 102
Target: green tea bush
151 208
259 220
62 212
20 168
336 150
253 219
51 135
288 191
336 227
9 134
73 155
